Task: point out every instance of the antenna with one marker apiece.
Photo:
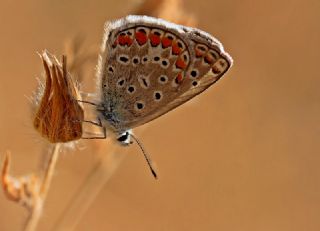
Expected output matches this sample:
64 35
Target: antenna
146 156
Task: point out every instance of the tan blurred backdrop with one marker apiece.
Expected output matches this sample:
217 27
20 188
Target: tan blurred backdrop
242 156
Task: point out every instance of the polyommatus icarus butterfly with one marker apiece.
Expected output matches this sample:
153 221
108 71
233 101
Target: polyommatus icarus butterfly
148 67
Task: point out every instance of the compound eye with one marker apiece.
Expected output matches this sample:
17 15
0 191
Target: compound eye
124 138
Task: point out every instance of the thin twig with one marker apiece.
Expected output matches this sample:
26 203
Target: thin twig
35 213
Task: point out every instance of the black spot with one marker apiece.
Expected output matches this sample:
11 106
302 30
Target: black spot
135 60
185 57
157 33
145 59
193 73
129 33
145 83
157 95
180 44
157 58
122 34
170 37
105 85
139 105
131 89
121 82
110 69
202 48
163 79
164 63
194 83
124 59
142 31
214 55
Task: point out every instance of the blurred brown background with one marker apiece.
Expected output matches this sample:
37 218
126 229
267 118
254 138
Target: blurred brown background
242 156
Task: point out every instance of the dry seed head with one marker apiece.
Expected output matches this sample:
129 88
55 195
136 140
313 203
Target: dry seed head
59 114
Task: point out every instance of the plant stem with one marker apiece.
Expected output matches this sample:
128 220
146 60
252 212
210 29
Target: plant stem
35 212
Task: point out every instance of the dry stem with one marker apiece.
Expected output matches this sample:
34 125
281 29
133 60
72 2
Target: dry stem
36 211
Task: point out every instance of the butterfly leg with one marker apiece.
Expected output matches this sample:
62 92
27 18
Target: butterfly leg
87 102
98 137
98 124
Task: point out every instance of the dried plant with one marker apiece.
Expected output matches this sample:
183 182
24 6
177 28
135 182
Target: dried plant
58 118
59 115
31 190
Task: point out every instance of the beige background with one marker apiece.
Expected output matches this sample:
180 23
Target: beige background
242 156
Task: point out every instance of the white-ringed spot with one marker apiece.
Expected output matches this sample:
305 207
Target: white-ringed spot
144 81
157 96
131 89
165 63
121 82
124 59
139 105
194 73
135 60
163 79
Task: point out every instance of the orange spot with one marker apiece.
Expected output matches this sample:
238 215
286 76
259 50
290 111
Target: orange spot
122 40
125 40
155 40
199 53
215 70
180 63
115 43
176 50
208 59
166 42
179 78
141 38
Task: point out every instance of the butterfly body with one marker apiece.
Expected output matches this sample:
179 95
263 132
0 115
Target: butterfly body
148 67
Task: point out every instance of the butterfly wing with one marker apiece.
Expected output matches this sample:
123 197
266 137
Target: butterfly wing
149 66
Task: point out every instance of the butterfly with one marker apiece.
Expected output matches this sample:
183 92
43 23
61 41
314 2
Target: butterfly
147 67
